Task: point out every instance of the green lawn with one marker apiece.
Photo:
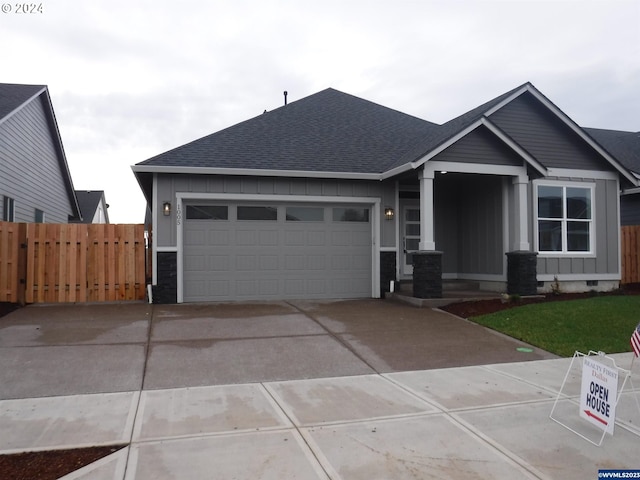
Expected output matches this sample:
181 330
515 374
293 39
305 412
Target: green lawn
602 323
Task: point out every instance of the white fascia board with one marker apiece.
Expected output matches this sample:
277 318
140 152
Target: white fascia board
525 88
514 146
582 134
254 172
19 107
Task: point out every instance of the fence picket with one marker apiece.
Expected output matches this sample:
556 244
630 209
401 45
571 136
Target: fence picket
71 262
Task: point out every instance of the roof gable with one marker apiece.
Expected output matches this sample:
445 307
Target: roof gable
13 98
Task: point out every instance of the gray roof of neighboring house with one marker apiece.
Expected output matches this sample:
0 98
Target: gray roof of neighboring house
14 95
625 146
329 131
89 201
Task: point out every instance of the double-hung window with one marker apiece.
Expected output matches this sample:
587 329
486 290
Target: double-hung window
565 218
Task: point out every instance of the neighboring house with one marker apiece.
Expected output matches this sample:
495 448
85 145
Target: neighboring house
35 183
93 206
333 196
625 146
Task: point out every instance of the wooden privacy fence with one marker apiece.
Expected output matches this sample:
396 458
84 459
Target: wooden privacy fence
54 263
630 244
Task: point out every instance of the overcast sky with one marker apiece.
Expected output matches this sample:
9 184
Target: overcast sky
132 79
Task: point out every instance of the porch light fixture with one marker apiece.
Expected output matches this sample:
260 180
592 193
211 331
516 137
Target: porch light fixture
389 213
166 209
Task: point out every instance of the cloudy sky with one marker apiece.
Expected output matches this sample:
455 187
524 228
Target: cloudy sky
132 79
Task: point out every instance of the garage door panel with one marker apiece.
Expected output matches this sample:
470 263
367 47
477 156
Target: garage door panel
316 238
266 259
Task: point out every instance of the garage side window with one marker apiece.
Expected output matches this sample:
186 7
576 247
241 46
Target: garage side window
207 212
257 213
351 214
305 214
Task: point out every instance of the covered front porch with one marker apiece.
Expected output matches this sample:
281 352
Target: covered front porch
464 227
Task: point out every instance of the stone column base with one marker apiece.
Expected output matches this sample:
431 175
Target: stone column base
522 269
427 274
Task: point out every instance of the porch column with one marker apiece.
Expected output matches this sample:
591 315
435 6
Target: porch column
521 234
427 237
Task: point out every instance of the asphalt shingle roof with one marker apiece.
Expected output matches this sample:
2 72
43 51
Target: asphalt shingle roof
329 131
625 146
13 95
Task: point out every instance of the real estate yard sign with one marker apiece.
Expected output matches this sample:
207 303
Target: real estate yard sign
598 395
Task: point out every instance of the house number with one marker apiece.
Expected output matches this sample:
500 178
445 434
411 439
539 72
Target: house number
179 214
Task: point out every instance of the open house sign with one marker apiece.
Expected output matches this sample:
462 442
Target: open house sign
598 395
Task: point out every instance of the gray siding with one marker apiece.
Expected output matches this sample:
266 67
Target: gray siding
607 238
469 223
480 146
168 185
544 136
630 209
29 167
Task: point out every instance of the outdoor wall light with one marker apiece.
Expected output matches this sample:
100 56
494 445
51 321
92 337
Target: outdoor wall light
166 209
389 213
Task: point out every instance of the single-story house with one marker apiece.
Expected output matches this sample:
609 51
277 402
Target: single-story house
333 196
35 183
93 206
625 146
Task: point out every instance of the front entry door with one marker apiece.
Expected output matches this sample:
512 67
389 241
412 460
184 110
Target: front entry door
411 236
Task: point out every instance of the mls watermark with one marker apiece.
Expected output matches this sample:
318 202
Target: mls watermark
618 473
22 8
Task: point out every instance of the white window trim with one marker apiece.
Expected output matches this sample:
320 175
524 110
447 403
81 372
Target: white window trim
592 231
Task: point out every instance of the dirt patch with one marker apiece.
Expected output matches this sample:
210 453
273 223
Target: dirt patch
50 465
6 308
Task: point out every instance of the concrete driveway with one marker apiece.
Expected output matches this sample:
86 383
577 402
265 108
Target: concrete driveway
75 349
308 390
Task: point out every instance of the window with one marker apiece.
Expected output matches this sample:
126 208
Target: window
39 216
350 214
565 219
207 212
8 209
257 213
305 214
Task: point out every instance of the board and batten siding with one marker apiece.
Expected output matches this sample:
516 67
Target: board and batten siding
169 185
481 147
469 223
606 259
29 167
545 136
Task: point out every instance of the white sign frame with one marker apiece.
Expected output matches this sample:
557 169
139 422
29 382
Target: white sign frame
586 418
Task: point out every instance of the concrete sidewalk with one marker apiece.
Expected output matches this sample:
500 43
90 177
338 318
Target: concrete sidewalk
351 390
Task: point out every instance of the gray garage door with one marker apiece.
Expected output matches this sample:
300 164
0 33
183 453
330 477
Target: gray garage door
259 251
